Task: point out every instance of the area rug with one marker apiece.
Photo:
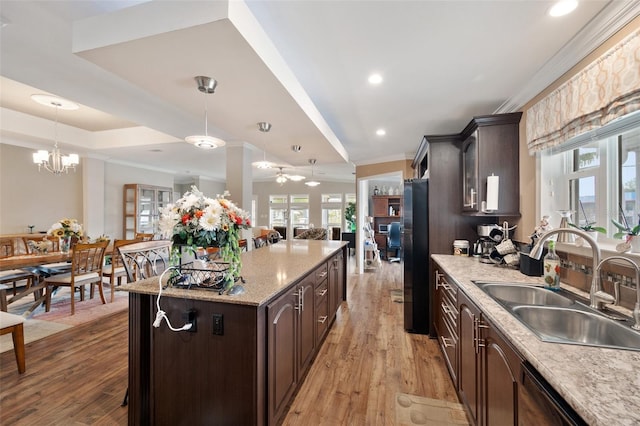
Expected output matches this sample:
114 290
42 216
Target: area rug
42 324
397 295
417 410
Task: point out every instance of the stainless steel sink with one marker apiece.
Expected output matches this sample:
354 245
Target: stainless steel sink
577 326
523 294
559 318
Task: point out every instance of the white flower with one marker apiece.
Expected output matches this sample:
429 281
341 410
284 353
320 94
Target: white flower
209 221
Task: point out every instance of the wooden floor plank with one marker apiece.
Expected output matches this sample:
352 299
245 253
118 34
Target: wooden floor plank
79 376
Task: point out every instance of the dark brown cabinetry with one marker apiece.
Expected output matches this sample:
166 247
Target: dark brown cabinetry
446 324
292 342
488 373
490 146
335 279
243 371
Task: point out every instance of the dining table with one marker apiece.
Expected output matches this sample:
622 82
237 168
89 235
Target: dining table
39 265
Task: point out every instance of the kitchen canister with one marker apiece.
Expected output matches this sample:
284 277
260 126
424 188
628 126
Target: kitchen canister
461 248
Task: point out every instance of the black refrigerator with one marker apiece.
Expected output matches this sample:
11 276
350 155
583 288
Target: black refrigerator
415 236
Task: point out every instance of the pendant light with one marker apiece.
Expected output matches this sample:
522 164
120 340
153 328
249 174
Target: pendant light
54 161
206 85
264 127
312 182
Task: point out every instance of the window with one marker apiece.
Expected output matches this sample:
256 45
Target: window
278 210
331 210
596 179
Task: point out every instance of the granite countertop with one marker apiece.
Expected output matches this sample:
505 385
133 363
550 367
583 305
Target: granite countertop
602 385
267 271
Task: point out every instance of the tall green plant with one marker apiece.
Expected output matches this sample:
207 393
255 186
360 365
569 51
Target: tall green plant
350 214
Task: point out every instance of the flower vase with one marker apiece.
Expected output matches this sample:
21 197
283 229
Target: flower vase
65 244
634 240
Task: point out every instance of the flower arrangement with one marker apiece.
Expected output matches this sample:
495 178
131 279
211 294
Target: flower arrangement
66 228
199 221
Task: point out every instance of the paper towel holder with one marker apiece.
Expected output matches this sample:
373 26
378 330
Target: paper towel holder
491 204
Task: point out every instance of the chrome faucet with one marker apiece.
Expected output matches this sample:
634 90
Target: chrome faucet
636 309
596 295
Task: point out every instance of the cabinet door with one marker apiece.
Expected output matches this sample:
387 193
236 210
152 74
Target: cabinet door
307 324
380 206
468 372
282 316
446 335
470 184
500 379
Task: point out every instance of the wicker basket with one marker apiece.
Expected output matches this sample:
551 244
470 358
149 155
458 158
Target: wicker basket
210 277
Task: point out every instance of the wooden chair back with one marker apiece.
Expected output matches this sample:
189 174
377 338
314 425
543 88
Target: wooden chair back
143 237
87 258
6 247
145 259
54 243
116 259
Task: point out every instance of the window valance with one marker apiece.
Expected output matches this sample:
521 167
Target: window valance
606 89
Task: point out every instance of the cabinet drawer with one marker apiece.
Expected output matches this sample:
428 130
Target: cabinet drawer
450 289
321 292
322 318
449 314
321 273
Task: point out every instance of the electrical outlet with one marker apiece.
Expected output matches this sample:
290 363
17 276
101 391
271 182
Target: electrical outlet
218 324
190 317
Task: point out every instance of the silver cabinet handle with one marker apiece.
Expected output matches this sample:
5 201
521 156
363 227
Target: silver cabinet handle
322 319
323 292
447 342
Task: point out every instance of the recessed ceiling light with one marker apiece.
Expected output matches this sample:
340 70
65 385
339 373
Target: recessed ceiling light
375 78
381 132
563 7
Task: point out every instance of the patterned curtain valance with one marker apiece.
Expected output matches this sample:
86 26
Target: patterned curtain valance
607 89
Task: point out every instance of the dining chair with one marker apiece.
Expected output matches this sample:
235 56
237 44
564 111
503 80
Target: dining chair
87 260
142 260
13 276
145 259
115 271
143 236
260 241
14 324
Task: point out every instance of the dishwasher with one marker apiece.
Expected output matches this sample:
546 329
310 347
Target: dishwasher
540 404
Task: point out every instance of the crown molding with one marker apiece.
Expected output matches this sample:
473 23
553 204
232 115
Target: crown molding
607 23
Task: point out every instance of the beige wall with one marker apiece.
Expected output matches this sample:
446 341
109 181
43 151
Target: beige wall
403 166
29 197
529 206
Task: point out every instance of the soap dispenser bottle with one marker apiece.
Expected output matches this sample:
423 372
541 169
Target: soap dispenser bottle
551 266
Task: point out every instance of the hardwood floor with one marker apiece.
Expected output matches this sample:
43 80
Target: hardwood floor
79 376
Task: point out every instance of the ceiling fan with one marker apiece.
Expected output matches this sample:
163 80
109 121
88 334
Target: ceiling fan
281 177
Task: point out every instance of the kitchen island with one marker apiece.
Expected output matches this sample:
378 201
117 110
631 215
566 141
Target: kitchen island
600 384
246 354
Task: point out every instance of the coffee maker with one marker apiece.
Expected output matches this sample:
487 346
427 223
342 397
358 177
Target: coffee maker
489 235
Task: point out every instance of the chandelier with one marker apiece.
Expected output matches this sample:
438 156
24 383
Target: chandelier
54 161
206 85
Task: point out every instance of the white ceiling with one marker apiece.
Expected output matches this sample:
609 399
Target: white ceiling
300 65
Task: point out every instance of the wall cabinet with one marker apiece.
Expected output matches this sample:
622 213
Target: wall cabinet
141 208
291 342
490 146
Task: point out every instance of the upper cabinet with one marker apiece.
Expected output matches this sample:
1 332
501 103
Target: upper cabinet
490 146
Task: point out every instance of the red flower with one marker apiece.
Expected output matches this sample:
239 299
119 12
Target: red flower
248 222
186 218
199 214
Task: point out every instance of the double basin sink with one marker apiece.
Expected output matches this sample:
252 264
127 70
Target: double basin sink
558 317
